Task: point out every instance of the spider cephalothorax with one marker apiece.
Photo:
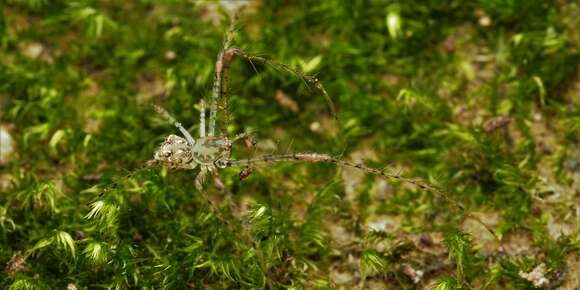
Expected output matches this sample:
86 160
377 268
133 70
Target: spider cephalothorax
210 150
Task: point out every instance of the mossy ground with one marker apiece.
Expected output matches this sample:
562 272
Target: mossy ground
478 97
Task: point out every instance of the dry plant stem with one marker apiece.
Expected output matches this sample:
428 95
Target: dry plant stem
317 157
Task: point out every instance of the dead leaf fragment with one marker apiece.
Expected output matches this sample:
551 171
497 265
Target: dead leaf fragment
415 275
341 278
170 55
17 264
33 50
496 123
536 276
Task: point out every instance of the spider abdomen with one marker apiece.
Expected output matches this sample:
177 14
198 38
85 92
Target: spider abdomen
175 153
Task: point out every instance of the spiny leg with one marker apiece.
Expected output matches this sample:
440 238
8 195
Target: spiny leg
202 118
215 95
167 116
317 157
220 79
219 88
286 68
225 57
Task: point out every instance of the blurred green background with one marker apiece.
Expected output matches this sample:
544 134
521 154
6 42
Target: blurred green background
480 98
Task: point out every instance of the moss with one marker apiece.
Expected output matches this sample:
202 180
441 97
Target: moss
476 97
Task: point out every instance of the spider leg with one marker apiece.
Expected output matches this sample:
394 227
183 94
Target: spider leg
218 183
200 179
308 79
248 139
220 79
219 89
318 157
213 171
240 136
202 118
167 116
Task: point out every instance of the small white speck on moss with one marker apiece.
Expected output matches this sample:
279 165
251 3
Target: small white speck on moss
6 145
536 276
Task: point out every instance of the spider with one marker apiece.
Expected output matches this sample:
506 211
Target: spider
211 152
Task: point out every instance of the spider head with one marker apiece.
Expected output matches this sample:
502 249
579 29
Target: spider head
175 153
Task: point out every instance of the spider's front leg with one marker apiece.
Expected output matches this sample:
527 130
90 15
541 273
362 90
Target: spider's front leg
202 118
170 118
219 89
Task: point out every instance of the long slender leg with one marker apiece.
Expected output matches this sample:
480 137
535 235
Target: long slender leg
215 94
223 62
202 118
219 89
167 116
249 140
317 157
286 68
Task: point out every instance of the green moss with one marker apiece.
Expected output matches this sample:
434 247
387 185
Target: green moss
415 84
